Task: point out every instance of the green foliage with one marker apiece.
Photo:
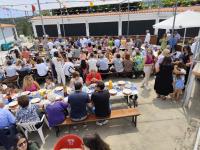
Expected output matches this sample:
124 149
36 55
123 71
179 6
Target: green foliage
46 13
24 27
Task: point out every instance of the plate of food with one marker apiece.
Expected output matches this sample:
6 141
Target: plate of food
13 104
59 88
34 93
25 93
35 100
128 86
121 82
127 91
113 92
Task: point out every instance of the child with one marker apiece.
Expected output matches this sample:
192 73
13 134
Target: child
179 80
49 84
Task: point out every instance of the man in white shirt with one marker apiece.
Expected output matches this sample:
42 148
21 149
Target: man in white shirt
147 37
42 68
92 62
11 70
53 50
68 68
50 45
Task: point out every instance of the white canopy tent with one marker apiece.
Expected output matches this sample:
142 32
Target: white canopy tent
187 19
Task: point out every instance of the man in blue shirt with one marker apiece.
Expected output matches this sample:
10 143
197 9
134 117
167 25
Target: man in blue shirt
7 127
102 64
78 102
117 43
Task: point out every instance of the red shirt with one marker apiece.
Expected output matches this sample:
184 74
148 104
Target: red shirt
26 54
90 76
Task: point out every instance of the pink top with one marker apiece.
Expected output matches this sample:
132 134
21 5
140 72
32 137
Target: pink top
149 59
90 49
32 88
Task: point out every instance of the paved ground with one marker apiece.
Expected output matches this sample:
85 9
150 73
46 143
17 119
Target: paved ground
161 126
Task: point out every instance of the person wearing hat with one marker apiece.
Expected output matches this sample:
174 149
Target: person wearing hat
56 110
7 127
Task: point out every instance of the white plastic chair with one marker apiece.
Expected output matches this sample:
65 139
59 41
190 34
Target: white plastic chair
30 127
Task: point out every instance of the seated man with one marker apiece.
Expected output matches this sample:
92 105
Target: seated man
102 64
100 99
92 77
7 127
56 111
78 102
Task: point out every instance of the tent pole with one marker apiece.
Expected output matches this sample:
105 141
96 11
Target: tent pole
175 10
184 39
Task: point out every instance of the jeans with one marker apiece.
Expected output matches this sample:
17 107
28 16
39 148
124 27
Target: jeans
7 136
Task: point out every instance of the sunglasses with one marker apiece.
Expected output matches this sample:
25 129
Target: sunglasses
22 143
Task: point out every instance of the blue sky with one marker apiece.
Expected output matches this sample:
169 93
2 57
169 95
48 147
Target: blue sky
45 4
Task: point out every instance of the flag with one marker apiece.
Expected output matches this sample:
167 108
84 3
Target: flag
33 8
91 4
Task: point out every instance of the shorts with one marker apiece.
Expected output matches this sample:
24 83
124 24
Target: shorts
179 84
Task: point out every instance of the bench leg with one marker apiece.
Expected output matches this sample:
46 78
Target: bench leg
134 120
57 131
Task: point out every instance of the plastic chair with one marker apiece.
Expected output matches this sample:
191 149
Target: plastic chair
71 141
30 127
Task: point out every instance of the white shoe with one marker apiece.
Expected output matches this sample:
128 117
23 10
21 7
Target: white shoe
99 123
105 122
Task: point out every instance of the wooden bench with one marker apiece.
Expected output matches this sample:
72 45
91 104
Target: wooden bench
115 114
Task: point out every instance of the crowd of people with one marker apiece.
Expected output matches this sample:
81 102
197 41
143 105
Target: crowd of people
85 61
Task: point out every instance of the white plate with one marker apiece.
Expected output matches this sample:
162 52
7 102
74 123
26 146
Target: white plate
35 100
59 88
121 82
127 91
34 93
25 93
113 92
12 104
106 83
128 86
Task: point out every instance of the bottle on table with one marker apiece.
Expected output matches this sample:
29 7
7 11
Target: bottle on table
65 91
110 84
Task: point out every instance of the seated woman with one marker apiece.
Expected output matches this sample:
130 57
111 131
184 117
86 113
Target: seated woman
75 78
128 65
27 112
22 143
92 77
56 111
118 63
42 68
29 84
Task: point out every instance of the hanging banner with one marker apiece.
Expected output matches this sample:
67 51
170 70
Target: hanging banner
91 4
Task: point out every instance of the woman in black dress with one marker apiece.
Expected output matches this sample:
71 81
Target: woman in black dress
164 79
187 60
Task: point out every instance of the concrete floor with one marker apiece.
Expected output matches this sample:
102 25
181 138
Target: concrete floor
161 126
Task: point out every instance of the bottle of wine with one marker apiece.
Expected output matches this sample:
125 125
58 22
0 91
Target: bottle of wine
65 91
